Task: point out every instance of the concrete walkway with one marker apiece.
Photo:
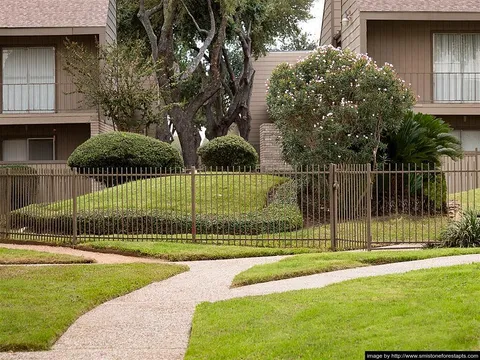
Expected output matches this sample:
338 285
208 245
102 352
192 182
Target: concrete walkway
154 322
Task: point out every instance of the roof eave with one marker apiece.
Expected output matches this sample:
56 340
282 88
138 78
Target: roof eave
420 15
52 31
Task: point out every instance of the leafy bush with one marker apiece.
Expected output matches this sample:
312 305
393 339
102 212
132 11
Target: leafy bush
336 106
464 232
125 153
23 187
230 151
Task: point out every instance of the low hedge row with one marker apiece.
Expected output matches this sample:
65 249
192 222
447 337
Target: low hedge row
273 219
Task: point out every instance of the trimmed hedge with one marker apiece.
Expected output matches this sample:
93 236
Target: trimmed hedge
24 185
275 218
230 151
123 152
281 215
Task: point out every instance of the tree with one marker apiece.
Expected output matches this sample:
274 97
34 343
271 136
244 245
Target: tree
296 42
255 27
118 80
194 45
336 106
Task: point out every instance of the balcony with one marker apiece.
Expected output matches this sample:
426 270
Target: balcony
445 93
37 103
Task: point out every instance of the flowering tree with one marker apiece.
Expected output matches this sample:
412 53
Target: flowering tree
336 106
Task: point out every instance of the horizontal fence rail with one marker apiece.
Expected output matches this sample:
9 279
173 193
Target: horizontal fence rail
331 207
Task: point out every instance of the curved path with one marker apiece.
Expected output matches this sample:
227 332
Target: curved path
154 322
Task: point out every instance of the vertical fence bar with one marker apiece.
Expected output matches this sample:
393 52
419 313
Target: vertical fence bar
369 207
194 216
9 205
74 208
333 206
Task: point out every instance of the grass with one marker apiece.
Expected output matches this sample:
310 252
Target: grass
308 264
186 252
435 309
14 256
233 193
37 304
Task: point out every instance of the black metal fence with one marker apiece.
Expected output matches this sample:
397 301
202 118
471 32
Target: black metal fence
337 207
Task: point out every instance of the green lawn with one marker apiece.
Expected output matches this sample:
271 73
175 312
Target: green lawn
37 304
435 309
469 199
233 193
308 264
14 256
186 252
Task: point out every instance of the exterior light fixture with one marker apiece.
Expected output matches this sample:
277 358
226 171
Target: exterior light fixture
346 19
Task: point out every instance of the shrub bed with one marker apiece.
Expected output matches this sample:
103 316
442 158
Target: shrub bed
281 214
274 218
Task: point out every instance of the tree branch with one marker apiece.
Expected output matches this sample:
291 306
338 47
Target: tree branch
144 17
228 66
200 30
210 35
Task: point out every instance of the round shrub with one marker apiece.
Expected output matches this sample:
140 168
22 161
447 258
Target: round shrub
230 151
123 152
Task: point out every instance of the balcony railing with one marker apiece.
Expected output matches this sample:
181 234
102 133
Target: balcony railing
41 98
444 87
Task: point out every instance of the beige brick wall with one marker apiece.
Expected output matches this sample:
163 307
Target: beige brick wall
271 148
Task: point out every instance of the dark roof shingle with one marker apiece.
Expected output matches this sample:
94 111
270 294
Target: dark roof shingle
53 13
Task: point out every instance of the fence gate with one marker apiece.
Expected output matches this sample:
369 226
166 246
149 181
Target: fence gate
350 206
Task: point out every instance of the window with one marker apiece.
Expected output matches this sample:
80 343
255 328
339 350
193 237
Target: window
28 77
33 149
470 139
456 67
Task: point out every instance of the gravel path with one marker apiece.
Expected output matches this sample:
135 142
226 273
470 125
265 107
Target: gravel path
100 258
154 322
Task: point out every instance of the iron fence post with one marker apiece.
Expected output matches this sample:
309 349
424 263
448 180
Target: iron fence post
9 205
74 208
333 206
194 216
476 168
369 207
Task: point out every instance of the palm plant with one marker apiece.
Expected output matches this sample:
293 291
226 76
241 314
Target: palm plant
423 139
420 143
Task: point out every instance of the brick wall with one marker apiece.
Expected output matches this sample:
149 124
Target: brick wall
271 148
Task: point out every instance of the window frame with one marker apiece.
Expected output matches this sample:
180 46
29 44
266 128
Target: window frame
54 83
462 74
27 141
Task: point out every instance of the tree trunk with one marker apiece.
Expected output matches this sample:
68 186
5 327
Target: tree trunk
188 135
162 132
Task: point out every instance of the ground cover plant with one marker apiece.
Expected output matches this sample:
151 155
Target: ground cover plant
16 256
435 309
308 264
37 304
